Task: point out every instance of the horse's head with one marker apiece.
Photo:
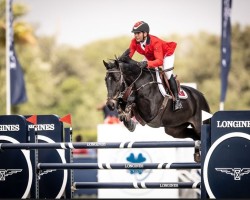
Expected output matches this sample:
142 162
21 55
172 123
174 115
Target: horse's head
119 73
114 83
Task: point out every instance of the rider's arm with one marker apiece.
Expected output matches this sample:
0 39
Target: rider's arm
158 54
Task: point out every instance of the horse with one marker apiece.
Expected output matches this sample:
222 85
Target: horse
125 80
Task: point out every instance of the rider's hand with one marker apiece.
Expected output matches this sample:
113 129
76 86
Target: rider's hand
143 64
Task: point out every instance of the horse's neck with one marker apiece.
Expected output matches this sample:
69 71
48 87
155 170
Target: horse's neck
137 77
130 77
147 96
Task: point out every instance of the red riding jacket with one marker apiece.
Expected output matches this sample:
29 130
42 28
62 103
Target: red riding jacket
155 50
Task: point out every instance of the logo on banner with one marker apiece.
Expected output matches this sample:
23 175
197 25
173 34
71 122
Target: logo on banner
46 172
136 162
233 124
237 173
43 127
221 177
8 172
10 127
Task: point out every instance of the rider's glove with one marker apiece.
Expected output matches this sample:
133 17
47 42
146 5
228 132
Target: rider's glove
143 64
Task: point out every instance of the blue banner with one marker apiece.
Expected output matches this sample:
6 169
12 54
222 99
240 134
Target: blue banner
225 46
17 84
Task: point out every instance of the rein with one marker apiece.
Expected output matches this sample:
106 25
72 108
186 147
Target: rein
143 85
129 89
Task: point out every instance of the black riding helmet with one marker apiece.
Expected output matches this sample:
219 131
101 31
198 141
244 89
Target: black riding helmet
140 26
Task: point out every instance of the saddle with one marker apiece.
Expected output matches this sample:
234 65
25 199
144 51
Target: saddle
131 110
166 85
163 80
166 92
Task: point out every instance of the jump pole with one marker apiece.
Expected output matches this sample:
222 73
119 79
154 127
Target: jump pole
100 145
136 185
184 165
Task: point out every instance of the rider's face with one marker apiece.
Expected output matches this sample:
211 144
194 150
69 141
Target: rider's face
140 36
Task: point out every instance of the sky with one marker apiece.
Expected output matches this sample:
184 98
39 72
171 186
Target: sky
79 22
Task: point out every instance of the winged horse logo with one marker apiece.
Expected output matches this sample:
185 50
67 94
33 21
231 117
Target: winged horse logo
237 173
8 172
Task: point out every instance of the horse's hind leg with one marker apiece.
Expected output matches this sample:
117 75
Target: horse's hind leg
185 132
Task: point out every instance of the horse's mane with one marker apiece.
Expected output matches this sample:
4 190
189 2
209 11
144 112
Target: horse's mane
125 58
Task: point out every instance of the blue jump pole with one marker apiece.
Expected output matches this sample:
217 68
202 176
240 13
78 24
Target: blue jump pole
184 165
99 145
136 185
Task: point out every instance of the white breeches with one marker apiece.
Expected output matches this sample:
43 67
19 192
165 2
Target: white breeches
168 63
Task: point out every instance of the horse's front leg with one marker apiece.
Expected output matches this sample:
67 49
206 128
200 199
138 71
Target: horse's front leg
121 114
130 125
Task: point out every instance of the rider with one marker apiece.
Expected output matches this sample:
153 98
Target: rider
157 53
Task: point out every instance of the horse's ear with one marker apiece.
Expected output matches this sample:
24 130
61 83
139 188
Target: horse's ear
117 63
106 64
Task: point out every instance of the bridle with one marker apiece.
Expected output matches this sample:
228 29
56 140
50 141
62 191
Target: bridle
119 93
127 89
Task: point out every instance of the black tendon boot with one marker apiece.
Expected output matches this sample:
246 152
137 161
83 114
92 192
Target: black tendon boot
173 86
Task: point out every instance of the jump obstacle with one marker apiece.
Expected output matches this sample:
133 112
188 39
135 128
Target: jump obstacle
101 145
137 185
228 134
186 165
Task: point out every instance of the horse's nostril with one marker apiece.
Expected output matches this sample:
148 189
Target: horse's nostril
110 105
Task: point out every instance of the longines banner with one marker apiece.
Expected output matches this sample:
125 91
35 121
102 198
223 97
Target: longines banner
138 156
227 164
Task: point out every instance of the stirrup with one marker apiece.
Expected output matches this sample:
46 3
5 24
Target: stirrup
177 105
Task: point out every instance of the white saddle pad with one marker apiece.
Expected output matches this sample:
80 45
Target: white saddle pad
182 93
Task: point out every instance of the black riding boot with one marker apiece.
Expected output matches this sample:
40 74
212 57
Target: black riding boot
173 86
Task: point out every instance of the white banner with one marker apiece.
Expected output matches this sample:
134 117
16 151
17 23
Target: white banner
119 133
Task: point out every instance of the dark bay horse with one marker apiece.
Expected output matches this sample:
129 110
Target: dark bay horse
125 78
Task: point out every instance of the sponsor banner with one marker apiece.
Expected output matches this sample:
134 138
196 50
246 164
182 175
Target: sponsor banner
136 157
226 170
229 121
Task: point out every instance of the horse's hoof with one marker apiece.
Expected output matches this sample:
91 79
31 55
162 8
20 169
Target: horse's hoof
130 125
197 157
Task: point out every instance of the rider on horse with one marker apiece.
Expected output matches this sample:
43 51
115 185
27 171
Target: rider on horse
157 53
